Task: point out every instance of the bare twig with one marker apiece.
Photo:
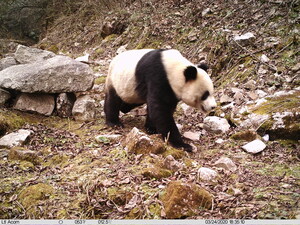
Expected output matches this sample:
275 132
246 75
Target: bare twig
255 57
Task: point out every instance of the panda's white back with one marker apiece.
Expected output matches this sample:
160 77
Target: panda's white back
121 74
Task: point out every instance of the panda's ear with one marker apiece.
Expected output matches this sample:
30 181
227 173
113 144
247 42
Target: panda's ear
203 66
190 73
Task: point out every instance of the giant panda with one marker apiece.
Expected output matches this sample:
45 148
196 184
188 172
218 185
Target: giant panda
161 78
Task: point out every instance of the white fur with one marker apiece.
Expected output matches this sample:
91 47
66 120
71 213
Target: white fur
192 91
121 75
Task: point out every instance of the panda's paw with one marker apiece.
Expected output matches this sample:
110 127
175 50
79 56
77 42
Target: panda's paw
186 147
114 124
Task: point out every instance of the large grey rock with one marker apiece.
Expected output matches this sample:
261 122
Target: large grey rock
216 124
84 108
7 62
56 75
26 54
17 138
40 103
4 96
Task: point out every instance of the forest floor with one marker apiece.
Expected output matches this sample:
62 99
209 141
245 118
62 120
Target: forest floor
74 175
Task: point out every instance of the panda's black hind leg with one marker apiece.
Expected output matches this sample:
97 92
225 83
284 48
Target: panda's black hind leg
112 105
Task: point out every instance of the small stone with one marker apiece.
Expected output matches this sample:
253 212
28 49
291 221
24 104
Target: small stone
226 164
264 58
84 58
296 68
106 138
244 39
194 136
250 85
205 12
254 147
17 138
140 143
225 99
266 137
216 124
207 174
261 93
84 108
219 141
172 164
122 49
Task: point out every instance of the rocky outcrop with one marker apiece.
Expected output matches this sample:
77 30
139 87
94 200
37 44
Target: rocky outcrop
24 18
56 75
39 75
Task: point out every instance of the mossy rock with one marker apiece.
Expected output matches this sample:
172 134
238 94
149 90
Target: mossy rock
138 142
285 106
246 135
119 196
23 154
182 200
156 172
32 195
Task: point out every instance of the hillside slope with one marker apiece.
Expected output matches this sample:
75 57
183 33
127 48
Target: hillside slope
65 172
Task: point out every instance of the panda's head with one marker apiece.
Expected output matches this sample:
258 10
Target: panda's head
198 89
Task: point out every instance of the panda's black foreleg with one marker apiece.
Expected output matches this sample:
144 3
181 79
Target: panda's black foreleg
149 125
112 105
162 119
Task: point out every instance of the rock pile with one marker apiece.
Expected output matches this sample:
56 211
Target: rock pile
43 82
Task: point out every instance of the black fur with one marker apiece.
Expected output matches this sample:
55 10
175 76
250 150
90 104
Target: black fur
203 66
190 73
205 96
153 87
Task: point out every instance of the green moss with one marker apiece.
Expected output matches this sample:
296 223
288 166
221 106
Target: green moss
156 172
183 200
247 135
176 153
23 154
10 121
279 104
60 160
32 195
100 80
119 196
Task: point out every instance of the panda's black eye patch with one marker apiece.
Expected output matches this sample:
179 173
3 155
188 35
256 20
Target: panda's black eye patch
205 96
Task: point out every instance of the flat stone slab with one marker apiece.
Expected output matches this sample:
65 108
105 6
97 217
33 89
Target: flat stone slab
59 74
17 138
254 147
